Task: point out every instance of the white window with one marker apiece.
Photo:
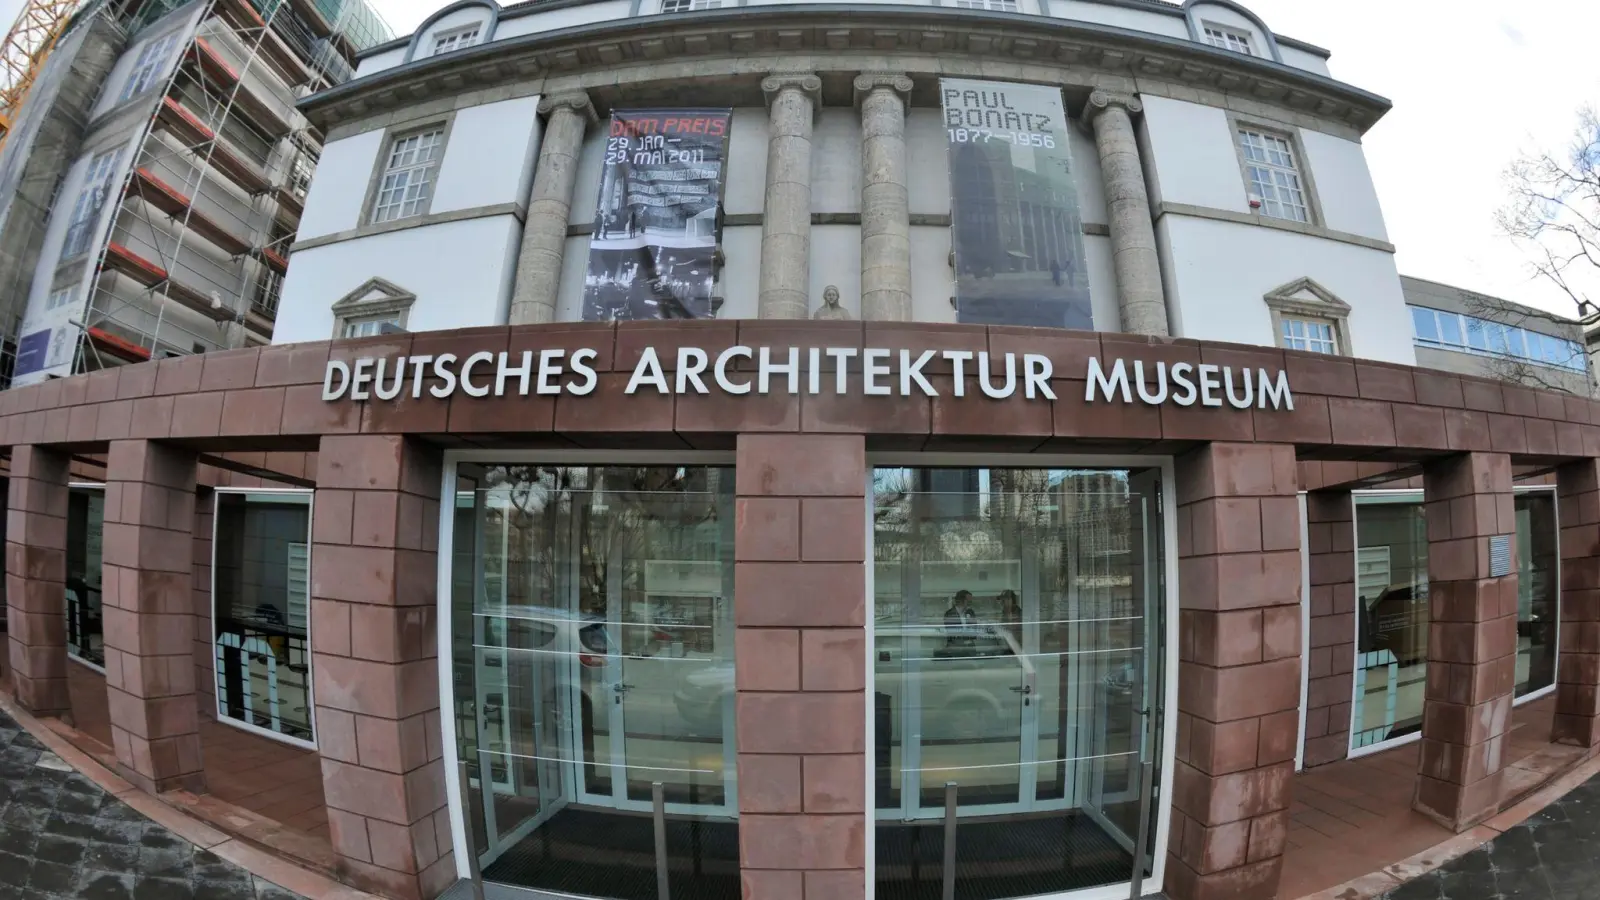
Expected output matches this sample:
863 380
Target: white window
86 211
990 5
455 39
1274 179
408 176
152 61
58 299
370 326
1228 38
1309 334
674 6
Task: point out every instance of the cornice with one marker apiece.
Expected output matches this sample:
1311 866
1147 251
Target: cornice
625 51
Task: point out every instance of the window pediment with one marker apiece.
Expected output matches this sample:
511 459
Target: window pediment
373 297
1304 296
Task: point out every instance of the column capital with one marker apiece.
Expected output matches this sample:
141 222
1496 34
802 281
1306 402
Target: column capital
577 101
867 82
1100 101
806 83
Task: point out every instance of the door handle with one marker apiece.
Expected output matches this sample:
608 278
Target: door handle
621 688
1023 689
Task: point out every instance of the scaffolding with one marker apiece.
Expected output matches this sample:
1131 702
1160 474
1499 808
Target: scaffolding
206 213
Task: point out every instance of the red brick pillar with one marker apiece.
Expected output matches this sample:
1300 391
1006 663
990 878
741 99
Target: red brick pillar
1472 638
36 576
148 560
1331 533
1577 718
800 653
374 645
1239 678
205 637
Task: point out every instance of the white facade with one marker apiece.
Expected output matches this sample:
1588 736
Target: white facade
1220 256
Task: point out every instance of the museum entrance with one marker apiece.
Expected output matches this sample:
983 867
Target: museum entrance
593 675
1017 677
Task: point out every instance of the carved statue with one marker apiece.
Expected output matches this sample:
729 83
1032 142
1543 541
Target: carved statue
830 308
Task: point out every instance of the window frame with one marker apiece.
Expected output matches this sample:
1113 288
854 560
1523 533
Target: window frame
396 316
382 170
683 6
391 301
1291 134
1283 303
1010 6
1225 33
1477 338
455 36
1292 318
153 57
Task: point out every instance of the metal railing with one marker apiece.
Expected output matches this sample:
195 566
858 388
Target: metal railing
248 648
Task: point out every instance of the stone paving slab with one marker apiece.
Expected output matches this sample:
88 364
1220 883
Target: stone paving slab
63 837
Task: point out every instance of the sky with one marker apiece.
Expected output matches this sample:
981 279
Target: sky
1474 84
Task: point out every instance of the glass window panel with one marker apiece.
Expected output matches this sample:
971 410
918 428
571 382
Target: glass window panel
1017 632
260 610
1424 324
85 529
1391 618
1477 333
1538 593
593 610
1450 329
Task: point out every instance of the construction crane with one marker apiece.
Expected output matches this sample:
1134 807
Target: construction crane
24 51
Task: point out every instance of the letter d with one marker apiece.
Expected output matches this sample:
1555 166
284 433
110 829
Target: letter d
328 391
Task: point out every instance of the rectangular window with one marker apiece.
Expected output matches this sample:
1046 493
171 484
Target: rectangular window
86 506
1436 327
261 594
457 39
91 199
1309 334
369 326
676 6
408 174
1228 39
990 5
1392 619
1273 175
1538 552
152 61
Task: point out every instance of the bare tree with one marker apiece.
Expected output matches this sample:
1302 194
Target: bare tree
1514 369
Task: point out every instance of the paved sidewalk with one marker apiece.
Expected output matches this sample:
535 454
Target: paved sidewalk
63 837
1554 854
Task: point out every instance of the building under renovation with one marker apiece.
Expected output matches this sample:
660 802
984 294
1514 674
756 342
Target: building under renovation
152 182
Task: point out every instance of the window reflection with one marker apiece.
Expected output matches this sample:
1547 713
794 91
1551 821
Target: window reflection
261 597
1016 627
1392 618
1538 589
594 611
85 528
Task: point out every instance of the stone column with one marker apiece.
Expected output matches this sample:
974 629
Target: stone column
885 202
1330 528
36 576
374 620
1239 674
544 233
1577 718
800 656
148 615
205 637
1133 235
785 291
1472 638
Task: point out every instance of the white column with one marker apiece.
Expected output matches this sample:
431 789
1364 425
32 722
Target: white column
885 202
544 233
1133 235
786 213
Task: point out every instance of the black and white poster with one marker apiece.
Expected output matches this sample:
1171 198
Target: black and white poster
654 248
1016 228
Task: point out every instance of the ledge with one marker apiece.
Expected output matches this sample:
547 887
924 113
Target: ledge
454 215
1239 218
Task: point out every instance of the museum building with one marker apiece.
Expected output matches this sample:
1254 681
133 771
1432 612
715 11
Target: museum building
896 450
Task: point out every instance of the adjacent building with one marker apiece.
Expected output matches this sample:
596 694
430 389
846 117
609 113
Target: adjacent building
1457 330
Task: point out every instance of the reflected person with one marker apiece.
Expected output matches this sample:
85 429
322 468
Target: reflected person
960 621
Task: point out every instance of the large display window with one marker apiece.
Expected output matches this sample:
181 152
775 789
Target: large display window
86 505
1017 645
261 592
1392 613
592 627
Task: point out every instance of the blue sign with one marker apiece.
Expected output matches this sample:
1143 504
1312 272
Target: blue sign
31 352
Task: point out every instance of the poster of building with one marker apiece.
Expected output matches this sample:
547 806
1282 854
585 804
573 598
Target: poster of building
654 247
1015 224
49 341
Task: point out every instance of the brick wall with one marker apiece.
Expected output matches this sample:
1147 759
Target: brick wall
36 575
800 615
1577 718
1330 531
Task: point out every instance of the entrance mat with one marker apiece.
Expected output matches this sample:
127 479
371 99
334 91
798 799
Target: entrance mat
605 853
1009 857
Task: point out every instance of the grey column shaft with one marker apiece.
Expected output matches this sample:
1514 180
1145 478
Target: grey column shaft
1133 236
885 200
786 212
544 232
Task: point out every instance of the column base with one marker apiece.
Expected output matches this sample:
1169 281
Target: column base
1576 731
1458 807
1253 881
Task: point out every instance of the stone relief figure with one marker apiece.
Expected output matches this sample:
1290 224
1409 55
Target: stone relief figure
830 308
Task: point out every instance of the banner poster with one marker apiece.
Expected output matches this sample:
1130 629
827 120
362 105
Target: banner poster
653 250
1015 224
